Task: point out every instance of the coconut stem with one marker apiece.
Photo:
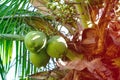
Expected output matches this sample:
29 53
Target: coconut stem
83 12
11 37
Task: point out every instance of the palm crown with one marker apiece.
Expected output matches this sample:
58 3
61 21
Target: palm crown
90 29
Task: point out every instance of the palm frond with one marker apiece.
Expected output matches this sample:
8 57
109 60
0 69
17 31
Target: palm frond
12 31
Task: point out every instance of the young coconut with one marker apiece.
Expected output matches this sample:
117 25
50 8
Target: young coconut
40 59
35 41
56 46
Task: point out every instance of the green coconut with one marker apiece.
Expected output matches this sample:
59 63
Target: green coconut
35 41
40 59
56 46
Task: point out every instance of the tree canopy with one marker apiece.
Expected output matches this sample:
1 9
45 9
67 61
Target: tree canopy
90 29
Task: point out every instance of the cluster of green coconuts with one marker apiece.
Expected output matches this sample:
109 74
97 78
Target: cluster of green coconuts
41 48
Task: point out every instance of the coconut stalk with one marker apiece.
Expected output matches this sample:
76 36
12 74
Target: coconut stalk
83 12
12 37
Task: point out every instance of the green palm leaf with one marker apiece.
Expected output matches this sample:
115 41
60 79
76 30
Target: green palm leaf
12 31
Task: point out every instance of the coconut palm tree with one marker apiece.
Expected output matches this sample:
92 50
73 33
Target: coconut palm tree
90 29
